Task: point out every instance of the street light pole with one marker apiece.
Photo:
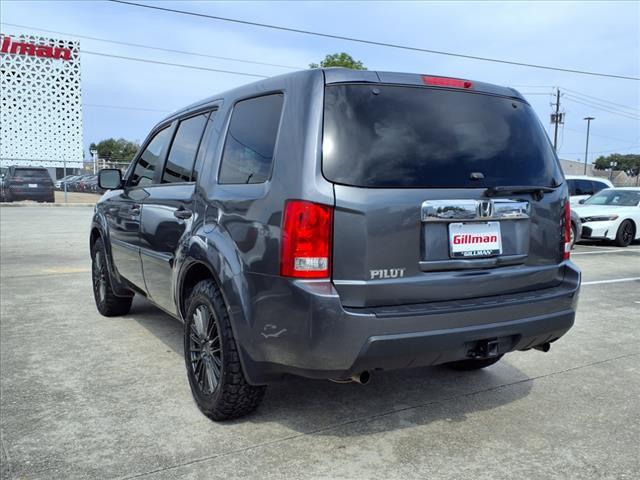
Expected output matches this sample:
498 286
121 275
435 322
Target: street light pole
612 167
94 154
586 150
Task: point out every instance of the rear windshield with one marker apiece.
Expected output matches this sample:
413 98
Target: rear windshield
32 173
398 136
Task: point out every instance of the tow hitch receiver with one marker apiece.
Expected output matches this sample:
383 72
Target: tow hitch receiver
484 349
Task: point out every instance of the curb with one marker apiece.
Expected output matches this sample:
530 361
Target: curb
49 205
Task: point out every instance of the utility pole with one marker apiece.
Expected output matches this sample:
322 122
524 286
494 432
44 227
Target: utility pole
556 119
586 150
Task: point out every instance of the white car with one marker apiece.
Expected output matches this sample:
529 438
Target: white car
611 214
582 187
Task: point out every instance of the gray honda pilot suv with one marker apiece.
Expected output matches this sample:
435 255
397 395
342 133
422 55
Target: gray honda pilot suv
330 223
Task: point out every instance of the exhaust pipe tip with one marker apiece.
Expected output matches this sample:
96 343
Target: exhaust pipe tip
362 378
543 347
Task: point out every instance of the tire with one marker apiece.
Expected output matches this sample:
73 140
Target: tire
473 364
107 302
574 234
215 374
626 234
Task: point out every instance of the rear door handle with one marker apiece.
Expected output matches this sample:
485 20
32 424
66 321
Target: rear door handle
182 213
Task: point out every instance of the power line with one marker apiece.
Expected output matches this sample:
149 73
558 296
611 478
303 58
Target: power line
600 135
604 109
592 105
575 92
140 45
370 42
157 62
579 95
604 151
593 102
588 103
603 102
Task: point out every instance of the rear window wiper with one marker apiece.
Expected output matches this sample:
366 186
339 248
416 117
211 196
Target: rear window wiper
538 192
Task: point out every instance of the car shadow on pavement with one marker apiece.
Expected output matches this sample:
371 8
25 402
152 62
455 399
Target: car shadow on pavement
392 400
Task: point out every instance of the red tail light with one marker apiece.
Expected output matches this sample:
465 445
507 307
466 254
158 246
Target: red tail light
447 82
567 230
306 240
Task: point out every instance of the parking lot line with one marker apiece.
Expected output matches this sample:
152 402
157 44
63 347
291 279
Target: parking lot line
66 269
614 280
615 250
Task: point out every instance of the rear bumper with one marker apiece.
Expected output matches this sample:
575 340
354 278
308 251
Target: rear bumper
304 330
22 193
432 348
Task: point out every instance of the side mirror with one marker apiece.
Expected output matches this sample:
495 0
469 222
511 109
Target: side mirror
110 178
582 201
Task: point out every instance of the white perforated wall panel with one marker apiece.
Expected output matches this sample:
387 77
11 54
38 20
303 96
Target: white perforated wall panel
40 102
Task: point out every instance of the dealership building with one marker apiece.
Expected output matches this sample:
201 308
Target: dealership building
40 103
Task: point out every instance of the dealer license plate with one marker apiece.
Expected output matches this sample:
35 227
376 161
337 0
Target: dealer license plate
33 185
470 240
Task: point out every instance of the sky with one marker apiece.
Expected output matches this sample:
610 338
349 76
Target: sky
595 36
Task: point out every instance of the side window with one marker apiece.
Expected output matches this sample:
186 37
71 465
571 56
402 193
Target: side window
148 161
583 187
211 138
572 187
597 186
183 150
251 139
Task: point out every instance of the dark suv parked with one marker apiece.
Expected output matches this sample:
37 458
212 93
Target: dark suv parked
330 223
28 183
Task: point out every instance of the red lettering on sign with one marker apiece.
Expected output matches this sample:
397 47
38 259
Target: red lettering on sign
12 47
473 239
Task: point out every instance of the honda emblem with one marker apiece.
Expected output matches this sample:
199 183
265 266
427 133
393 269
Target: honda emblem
485 208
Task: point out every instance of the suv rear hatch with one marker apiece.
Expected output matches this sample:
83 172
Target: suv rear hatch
35 178
441 194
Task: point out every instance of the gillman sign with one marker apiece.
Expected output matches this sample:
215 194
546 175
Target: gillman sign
12 47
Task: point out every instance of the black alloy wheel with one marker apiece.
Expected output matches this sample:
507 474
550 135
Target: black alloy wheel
100 277
205 351
212 357
626 233
107 302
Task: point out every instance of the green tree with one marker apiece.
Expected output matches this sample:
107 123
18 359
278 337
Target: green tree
630 163
117 150
339 60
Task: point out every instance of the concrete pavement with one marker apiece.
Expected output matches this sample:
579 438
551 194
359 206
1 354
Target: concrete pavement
84 396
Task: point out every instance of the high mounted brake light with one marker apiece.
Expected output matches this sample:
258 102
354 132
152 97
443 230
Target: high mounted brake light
446 82
306 240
